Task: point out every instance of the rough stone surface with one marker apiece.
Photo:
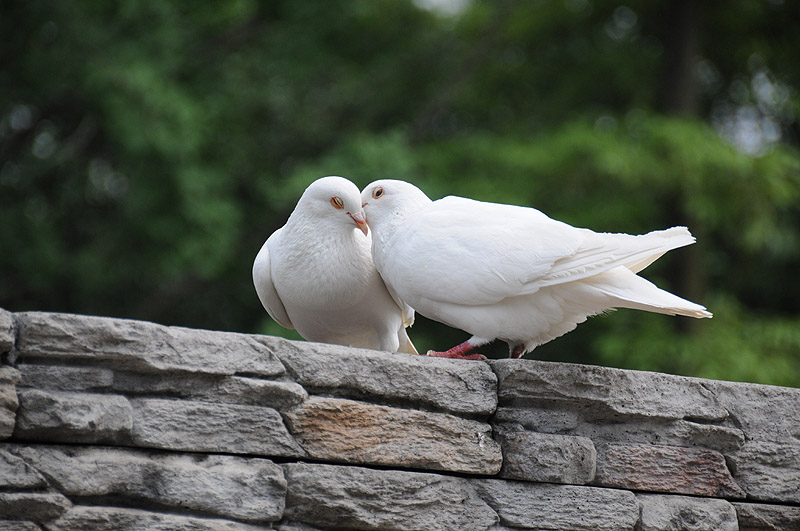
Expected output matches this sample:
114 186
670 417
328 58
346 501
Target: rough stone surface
623 392
19 525
676 513
668 469
360 498
227 389
548 458
210 427
72 417
444 384
195 417
6 331
216 388
143 346
121 519
66 378
768 464
251 489
345 430
559 507
8 400
35 506
16 473
763 517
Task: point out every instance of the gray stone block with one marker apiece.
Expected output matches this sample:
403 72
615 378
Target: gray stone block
585 419
85 518
142 346
608 390
350 497
213 388
668 469
32 506
769 471
6 330
15 473
9 402
66 378
661 512
19 525
449 385
248 489
58 416
766 517
768 464
559 507
548 458
347 431
211 427
208 387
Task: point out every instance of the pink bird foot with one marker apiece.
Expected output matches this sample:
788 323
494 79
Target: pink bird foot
459 352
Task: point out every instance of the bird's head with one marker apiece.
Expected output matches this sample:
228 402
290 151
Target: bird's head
388 202
335 199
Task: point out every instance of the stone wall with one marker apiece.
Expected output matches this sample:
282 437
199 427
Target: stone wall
119 424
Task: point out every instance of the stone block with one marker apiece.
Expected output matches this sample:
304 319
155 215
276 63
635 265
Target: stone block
609 390
6 331
767 466
769 471
213 388
126 344
559 507
32 506
211 427
766 517
66 378
354 432
19 525
548 458
668 469
91 518
443 384
9 402
15 473
72 417
208 387
351 497
605 425
660 512
248 489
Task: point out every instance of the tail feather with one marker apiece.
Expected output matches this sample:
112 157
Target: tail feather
628 290
666 240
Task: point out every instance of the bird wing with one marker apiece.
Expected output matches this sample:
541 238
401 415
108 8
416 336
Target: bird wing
262 279
481 253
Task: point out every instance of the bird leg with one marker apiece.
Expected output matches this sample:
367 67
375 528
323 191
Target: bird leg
517 351
458 352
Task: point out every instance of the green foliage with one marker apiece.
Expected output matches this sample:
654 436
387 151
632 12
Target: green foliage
148 149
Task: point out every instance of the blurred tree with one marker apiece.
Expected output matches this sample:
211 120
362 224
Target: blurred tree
147 150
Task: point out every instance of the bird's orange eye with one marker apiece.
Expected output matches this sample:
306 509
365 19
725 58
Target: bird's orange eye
377 192
337 202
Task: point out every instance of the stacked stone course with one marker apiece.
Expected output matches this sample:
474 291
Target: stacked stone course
116 424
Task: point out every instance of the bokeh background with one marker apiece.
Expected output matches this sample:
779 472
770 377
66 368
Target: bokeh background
147 149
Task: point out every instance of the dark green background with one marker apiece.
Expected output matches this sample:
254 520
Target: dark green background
149 148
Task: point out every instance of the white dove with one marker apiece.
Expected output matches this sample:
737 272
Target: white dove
315 274
509 272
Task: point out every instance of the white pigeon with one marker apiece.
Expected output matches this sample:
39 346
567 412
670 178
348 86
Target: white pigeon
509 272
315 274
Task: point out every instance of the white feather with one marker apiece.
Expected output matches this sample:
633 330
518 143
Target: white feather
509 272
315 275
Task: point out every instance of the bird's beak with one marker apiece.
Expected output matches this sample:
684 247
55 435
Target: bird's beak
360 219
